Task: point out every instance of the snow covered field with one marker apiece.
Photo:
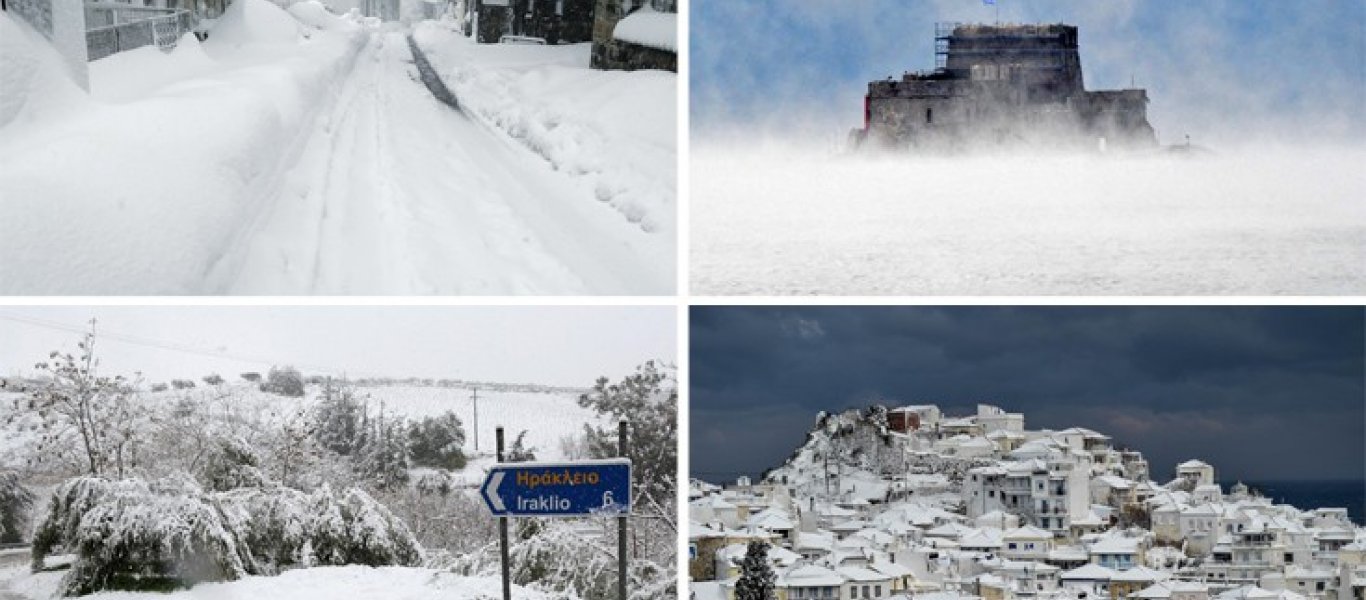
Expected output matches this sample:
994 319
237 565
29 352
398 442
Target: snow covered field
547 417
782 220
300 154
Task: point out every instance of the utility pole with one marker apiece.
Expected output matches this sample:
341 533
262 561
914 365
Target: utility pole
503 530
476 426
621 520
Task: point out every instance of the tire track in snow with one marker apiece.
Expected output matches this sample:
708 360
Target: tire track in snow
398 194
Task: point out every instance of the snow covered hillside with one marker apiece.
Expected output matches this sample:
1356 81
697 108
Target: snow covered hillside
547 417
782 220
297 152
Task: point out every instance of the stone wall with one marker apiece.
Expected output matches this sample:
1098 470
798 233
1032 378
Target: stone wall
606 14
625 56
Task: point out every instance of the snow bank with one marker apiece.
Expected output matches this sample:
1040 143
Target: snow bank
142 197
123 76
34 82
649 27
315 15
254 22
614 131
330 583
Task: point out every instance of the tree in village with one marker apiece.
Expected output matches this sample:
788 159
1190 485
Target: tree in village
76 400
756 575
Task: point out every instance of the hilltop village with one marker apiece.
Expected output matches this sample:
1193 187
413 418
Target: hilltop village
909 503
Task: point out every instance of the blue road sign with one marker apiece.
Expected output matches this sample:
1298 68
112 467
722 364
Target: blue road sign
566 489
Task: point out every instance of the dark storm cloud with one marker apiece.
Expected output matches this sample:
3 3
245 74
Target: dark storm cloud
1262 392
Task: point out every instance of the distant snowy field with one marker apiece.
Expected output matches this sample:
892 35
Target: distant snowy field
779 220
547 417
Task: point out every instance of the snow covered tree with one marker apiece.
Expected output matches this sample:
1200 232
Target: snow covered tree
648 400
437 442
132 535
77 401
229 464
519 451
340 417
384 458
756 575
252 377
15 501
213 379
284 381
292 450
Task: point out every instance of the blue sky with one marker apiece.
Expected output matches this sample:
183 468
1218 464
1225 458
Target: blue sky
1214 68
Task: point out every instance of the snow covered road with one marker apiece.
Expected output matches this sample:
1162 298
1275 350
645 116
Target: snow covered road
397 193
308 163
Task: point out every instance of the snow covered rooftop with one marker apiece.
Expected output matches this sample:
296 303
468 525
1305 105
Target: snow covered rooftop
810 576
1141 573
1089 572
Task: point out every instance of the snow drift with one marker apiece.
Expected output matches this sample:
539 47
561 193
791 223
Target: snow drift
155 187
34 85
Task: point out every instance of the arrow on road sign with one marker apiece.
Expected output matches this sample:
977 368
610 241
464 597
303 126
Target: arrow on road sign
563 489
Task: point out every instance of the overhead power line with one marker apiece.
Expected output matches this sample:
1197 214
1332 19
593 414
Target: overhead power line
135 340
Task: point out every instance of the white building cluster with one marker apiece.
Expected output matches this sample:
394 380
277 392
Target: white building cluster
909 503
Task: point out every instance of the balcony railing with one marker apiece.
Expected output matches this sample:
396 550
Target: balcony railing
113 28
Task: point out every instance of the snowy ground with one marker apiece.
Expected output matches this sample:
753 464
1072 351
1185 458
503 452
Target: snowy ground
788 221
303 156
350 582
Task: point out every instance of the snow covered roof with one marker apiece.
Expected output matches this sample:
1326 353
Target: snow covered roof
1067 553
1193 464
1089 572
810 576
1141 573
649 27
771 519
1118 483
1028 532
1246 592
1113 544
1157 591
981 538
853 573
949 530
890 569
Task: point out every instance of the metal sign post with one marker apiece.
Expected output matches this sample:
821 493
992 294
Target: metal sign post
503 532
561 489
621 521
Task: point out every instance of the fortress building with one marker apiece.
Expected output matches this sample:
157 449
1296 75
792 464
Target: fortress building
1003 85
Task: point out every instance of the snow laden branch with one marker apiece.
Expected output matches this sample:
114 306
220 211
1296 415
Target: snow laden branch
132 534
